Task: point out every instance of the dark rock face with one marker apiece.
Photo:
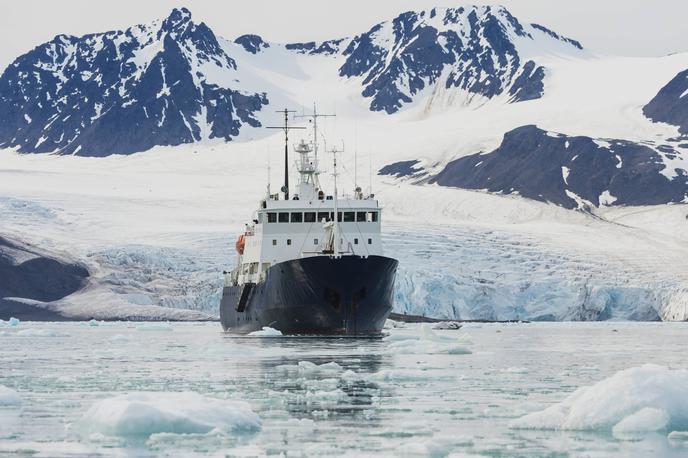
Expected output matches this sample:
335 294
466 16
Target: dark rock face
529 84
326 47
573 172
122 92
40 278
557 36
670 105
399 169
472 48
252 43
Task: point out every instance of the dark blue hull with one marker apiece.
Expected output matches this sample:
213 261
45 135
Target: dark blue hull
350 295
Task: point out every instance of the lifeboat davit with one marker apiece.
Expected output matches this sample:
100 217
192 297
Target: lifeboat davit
240 244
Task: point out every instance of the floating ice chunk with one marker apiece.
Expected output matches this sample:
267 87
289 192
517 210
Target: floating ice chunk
119 338
309 368
647 419
41 333
9 397
322 396
147 413
678 436
633 398
407 375
266 332
11 322
94 323
453 325
155 326
424 341
391 324
515 370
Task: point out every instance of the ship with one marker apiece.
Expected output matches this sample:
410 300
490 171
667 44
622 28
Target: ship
311 262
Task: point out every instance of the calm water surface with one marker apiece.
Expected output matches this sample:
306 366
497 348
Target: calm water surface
410 394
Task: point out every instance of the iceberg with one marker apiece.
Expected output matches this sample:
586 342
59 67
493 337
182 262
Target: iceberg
9 397
639 399
147 413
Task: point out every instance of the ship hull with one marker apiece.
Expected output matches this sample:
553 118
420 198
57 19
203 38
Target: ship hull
349 295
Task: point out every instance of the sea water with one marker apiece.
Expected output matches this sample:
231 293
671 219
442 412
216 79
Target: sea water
188 389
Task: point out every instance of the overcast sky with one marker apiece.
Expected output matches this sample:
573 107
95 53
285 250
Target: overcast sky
625 27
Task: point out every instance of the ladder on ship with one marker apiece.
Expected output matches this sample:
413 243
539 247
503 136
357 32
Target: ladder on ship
243 297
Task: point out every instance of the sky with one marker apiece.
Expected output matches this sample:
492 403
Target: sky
619 27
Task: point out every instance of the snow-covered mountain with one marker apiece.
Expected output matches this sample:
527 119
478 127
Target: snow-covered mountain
477 49
173 81
164 83
574 172
533 126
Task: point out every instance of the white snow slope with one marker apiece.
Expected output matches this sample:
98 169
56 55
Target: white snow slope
157 228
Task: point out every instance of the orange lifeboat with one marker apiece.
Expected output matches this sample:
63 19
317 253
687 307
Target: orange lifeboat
240 244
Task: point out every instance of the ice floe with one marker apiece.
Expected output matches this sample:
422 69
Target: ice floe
266 332
13 322
646 398
155 326
425 341
678 436
309 368
147 413
447 325
9 397
33 332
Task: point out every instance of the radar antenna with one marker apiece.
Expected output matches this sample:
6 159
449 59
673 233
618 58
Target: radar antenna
314 117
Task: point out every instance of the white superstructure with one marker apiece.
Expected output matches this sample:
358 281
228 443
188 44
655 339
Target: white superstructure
305 225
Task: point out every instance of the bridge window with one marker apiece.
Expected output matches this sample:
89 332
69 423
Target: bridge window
284 217
360 217
309 217
315 241
355 241
274 242
323 216
339 217
349 217
272 217
297 217
372 217
370 241
288 241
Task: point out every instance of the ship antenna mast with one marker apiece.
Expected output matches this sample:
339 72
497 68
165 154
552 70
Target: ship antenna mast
314 117
268 151
336 208
286 128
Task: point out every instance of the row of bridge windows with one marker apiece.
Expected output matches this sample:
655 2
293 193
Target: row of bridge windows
312 217
315 241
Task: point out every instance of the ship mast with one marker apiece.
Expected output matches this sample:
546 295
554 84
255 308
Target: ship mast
335 220
286 128
314 118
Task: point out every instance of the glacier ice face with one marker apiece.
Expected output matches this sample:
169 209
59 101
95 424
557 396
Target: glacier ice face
475 273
